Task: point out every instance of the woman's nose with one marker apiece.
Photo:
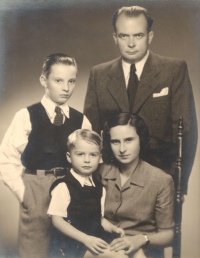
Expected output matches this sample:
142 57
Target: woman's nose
122 148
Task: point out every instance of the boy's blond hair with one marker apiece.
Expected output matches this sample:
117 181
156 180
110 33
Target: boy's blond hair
86 135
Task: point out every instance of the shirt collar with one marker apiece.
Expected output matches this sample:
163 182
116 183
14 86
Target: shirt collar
137 178
81 178
138 66
49 105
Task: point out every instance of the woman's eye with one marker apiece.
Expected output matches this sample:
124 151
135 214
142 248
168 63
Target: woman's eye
114 142
129 140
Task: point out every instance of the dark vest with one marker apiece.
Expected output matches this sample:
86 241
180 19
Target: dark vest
84 210
46 148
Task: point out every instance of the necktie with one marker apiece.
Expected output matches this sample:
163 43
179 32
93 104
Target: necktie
58 120
132 86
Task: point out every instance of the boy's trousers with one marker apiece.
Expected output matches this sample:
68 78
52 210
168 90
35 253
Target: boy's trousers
35 224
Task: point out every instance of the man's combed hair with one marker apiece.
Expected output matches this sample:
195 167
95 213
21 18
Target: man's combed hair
133 11
56 58
125 119
86 135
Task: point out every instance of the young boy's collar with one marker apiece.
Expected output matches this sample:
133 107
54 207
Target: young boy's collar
81 178
49 105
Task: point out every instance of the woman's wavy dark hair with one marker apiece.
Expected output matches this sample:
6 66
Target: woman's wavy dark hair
125 119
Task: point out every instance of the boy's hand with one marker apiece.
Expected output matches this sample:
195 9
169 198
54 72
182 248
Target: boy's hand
96 245
118 231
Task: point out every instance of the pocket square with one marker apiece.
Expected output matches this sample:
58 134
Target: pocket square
163 92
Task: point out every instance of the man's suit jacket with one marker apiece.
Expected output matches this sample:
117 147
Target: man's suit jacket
164 94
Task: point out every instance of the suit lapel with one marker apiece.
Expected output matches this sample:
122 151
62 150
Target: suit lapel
116 85
148 82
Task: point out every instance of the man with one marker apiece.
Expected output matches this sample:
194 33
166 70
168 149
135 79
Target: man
159 91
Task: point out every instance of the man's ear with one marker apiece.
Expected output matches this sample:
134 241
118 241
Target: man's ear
115 37
150 37
43 81
68 157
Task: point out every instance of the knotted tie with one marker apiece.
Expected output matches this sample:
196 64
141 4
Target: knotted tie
58 120
132 86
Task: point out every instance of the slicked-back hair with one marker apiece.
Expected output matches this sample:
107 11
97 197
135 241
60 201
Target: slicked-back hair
133 11
86 135
125 119
56 58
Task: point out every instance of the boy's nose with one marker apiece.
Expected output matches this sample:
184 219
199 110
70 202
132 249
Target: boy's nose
66 87
87 159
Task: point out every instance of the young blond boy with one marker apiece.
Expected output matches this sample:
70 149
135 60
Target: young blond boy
77 201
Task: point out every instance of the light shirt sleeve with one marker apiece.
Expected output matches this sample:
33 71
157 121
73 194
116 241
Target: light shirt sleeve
13 144
86 124
59 201
103 201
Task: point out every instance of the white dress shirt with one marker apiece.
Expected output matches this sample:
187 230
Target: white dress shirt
138 66
15 141
60 196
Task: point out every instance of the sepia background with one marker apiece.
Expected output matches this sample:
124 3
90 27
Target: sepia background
32 29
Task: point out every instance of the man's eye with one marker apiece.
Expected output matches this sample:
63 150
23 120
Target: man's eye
138 36
123 36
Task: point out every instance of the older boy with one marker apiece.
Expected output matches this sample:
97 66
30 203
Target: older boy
35 144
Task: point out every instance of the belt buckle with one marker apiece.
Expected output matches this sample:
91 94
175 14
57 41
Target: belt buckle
55 170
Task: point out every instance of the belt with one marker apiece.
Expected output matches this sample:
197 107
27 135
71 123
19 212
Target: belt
54 171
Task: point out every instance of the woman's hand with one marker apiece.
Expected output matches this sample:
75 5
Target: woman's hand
132 243
96 245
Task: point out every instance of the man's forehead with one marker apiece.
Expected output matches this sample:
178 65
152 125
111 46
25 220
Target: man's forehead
130 21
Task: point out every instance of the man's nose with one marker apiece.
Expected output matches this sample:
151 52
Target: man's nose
131 42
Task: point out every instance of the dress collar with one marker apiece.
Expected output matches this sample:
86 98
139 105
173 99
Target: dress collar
136 178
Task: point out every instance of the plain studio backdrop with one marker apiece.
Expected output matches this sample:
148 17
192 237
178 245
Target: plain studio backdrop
33 29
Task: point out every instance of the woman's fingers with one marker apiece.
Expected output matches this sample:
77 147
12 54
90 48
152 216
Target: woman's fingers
115 241
118 246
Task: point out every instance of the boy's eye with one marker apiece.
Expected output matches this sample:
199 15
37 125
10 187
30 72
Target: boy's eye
58 80
80 154
94 154
72 82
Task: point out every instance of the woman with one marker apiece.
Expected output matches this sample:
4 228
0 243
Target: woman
139 197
